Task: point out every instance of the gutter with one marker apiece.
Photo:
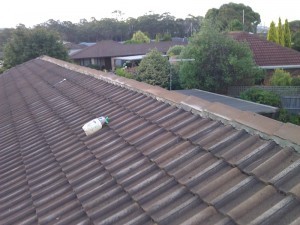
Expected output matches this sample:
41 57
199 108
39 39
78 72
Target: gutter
280 67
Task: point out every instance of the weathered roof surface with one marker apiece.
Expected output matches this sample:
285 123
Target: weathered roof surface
233 102
160 160
110 48
267 53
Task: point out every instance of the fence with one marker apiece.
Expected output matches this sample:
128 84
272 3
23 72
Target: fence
291 103
235 91
290 95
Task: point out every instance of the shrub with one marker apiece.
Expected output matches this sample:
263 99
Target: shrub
281 78
261 96
163 37
285 116
123 73
175 50
154 69
295 81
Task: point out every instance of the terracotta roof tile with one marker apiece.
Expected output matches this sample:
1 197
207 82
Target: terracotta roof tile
268 53
162 159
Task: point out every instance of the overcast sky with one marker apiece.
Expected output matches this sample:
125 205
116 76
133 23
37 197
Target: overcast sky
33 12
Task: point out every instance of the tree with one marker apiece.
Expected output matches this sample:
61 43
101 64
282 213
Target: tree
295 34
296 41
235 25
138 38
163 37
219 62
175 50
173 53
154 69
5 35
272 33
280 32
28 44
227 15
294 26
287 35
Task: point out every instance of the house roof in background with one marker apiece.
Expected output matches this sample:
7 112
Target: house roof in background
109 48
131 58
268 53
164 158
73 46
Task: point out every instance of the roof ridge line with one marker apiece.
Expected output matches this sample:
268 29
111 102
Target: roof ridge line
284 134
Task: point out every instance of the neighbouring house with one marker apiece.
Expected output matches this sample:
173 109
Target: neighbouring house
163 158
73 48
104 53
269 55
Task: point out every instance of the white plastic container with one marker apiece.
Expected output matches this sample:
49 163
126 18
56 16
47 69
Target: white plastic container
94 125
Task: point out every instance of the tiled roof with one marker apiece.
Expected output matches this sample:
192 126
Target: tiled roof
268 53
110 48
70 45
164 158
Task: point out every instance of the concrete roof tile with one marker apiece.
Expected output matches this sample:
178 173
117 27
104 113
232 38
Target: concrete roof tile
162 159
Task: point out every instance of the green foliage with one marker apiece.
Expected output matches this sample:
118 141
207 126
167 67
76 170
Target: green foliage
235 25
261 96
175 50
122 72
28 44
280 31
295 81
280 35
281 78
138 38
286 117
294 26
296 41
154 69
120 29
175 80
5 35
295 34
287 35
230 17
165 37
219 62
272 33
